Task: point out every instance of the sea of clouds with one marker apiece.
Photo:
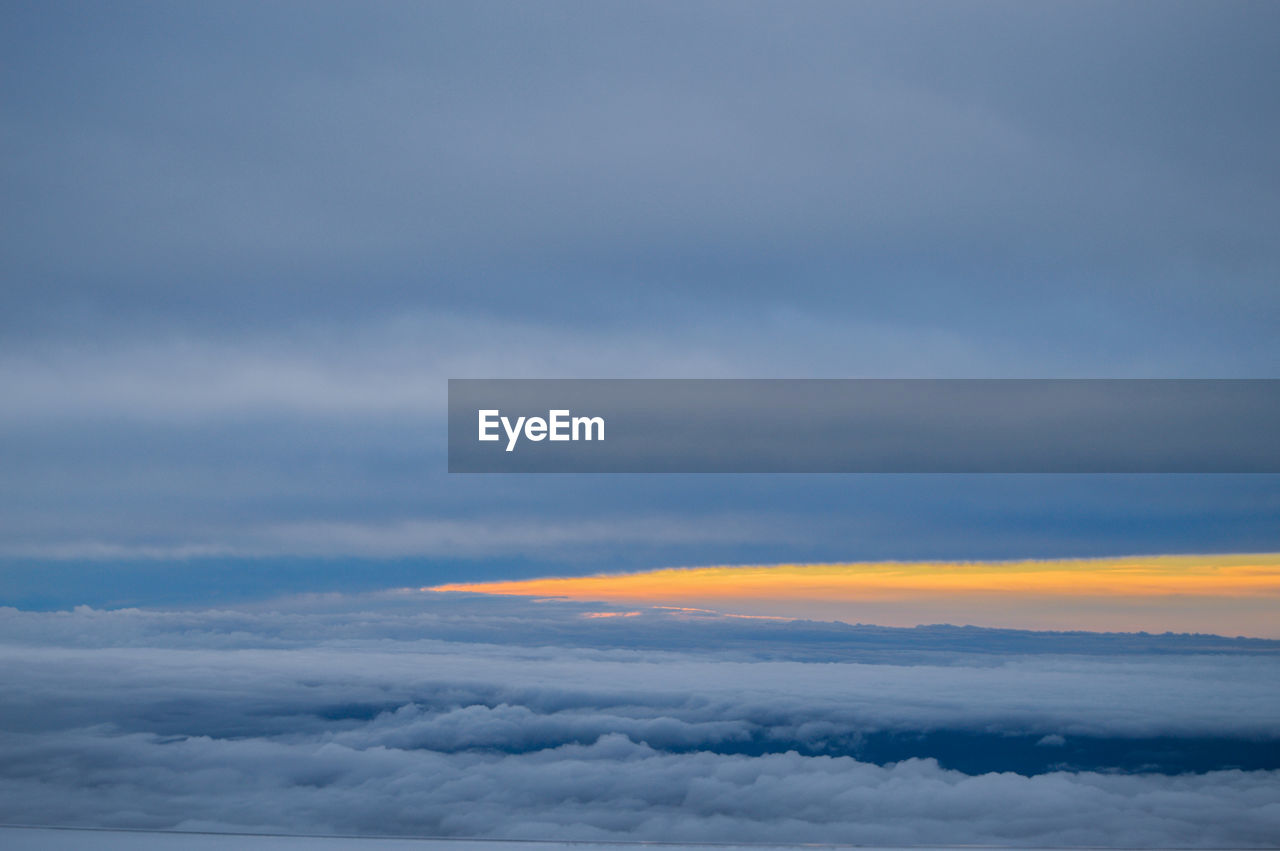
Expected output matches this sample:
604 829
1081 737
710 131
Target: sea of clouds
446 715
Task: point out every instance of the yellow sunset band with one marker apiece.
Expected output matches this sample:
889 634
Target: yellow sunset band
1254 575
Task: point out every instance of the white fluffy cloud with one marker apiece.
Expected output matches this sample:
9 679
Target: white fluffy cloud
380 716
615 788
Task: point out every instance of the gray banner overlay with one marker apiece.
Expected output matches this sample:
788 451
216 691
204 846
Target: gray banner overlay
864 426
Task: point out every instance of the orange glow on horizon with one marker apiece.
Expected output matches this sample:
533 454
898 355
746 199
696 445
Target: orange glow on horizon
1140 576
1229 592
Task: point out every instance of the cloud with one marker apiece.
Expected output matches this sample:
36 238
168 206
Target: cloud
204 262
430 537
1098 696
381 367
405 647
234 290
510 164
417 714
611 788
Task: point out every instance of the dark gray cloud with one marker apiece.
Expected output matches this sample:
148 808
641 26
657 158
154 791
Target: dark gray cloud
582 161
243 247
63 839
377 715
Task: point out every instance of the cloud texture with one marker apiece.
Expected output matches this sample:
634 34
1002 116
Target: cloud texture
396 723
243 249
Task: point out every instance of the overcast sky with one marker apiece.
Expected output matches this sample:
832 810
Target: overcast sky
244 245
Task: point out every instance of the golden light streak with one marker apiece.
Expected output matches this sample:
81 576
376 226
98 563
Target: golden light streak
1180 593
1141 576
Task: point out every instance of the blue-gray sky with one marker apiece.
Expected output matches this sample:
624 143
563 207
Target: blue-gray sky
244 245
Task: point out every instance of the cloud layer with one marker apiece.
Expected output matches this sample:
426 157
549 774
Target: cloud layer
241 253
393 714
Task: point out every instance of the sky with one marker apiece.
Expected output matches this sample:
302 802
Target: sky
243 247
